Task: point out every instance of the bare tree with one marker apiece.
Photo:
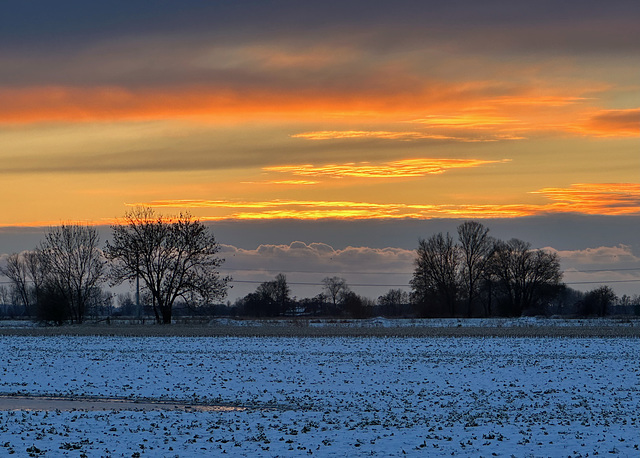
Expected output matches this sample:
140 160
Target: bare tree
18 274
598 301
476 247
174 257
335 288
275 295
37 273
437 271
392 301
73 266
525 277
5 295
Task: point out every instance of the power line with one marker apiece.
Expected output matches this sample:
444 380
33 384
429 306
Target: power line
344 272
304 283
257 282
315 271
601 281
605 270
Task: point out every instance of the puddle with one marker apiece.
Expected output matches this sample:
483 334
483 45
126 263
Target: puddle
51 403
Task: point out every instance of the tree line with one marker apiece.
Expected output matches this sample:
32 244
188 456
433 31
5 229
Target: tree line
175 259
175 262
475 275
478 275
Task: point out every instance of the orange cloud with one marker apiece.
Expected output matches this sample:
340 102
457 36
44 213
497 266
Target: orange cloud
466 112
52 223
386 135
548 101
68 103
592 199
396 169
73 104
468 121
312 209
612 123
595 198
294 182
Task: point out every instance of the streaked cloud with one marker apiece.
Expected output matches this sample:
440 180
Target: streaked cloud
595 198
340 134
120 102
589 199
405 136
468 121
439 110
529 100
612 123
293 182
396 169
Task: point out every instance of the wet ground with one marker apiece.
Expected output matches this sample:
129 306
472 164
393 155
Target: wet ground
51 403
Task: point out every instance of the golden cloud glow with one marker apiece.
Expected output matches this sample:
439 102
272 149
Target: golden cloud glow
296 209
404 136
549 101
612 123
591 199
468 121
595 198
468 112
294 182
395 169
113 103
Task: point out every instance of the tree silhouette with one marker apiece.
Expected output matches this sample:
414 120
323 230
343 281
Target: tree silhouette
174 257
476 247
436 277
525 277
72 267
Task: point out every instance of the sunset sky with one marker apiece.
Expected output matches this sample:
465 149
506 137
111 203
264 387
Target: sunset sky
277 119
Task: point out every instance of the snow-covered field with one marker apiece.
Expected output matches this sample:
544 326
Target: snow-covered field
327 396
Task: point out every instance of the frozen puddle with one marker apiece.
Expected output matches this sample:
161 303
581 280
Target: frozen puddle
45 403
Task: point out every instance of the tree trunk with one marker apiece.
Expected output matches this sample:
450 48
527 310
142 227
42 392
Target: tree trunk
166 315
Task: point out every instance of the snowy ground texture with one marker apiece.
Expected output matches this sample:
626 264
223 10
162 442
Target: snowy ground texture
328 396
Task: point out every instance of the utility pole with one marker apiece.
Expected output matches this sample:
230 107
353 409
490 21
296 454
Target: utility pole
138 285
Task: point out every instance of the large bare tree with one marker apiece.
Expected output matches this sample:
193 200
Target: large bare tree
437 272
276 293
525 277
175 258
71 266
476 247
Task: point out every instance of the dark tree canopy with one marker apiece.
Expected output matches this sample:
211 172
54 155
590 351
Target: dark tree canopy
174 257
392 302
598 301
18 274
526 277
335 289
271 298
72 267
435 278
476 247
478 270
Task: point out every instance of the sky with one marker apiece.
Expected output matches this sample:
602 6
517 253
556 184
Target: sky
311 132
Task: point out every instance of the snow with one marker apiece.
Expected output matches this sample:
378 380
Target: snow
327 396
